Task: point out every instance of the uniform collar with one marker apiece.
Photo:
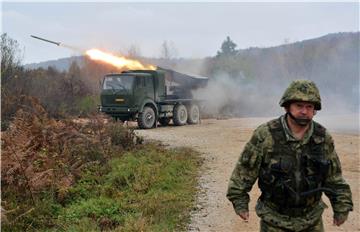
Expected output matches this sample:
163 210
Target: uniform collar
289 135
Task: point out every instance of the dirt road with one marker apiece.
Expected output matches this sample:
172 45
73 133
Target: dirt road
220 142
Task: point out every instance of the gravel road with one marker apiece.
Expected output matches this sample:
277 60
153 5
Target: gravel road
220 143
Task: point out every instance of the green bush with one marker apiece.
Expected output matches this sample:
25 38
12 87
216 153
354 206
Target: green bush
87 105
148 188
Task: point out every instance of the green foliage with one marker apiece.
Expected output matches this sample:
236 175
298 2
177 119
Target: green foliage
83 225
228 48
87 105
146 188
95 208
10 58
121 136
226 61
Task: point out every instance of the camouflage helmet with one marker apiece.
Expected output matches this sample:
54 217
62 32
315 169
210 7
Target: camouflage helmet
301 90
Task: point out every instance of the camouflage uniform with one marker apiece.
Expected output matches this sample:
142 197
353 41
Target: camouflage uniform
291 173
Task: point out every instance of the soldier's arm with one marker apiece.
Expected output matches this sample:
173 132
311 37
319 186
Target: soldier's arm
340 197
246 172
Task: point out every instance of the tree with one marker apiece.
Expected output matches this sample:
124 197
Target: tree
13 82
227 48
286 41
134 52
10 58
168 50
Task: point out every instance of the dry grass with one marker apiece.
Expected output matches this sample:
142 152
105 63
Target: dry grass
94 175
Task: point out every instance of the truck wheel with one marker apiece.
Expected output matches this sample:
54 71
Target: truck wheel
194 114
164 121
146 119
180 115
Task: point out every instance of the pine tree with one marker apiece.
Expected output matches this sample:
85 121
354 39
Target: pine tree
227 48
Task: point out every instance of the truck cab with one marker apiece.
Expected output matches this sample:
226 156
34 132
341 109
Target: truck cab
124 94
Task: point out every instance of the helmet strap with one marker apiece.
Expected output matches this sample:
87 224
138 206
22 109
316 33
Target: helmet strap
299 121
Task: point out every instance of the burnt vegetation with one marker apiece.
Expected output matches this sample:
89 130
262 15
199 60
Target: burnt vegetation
94 174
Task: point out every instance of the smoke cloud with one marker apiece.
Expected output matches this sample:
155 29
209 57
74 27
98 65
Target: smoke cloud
75 49
332 62
236 97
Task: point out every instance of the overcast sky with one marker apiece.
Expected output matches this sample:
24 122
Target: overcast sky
196 29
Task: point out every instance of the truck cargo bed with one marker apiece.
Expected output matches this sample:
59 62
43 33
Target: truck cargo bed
177 100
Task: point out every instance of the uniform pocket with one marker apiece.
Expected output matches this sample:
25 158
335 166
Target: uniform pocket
250 156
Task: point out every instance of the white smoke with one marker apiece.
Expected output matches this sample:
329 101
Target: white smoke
227 96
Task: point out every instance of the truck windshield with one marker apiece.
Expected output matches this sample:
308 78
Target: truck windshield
118 82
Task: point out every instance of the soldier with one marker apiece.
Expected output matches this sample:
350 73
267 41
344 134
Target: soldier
294 160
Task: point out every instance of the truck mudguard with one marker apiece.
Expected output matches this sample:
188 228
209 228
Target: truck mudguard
150 102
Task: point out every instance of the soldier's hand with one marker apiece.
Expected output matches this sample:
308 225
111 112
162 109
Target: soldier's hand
340 219
338 222
244 216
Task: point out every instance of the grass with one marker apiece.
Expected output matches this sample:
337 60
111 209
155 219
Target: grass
147 189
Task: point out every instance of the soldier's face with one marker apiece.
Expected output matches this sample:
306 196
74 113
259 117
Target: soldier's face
302 110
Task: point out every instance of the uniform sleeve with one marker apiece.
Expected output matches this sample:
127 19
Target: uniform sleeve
340 197
245 173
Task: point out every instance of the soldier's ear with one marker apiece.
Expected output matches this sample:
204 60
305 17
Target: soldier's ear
315 111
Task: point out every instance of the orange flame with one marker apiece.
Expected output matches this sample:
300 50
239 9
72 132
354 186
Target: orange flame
117 61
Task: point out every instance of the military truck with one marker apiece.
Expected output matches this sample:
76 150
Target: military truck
151 96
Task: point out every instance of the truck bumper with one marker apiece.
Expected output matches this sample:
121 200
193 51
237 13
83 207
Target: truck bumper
118 111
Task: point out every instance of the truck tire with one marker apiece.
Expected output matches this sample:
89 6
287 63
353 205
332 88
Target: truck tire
164 121
146 118
180 115
193 114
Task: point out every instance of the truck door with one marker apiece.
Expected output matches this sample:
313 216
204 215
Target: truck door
139 90
149 85
144 89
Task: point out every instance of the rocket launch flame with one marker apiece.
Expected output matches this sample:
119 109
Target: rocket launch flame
117 61
120 62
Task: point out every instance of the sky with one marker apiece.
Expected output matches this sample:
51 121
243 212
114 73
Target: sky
196 30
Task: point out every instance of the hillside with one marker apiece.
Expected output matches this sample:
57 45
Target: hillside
61 64
304 58
255 78
332 61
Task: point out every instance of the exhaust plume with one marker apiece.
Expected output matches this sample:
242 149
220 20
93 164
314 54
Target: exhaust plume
117 61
